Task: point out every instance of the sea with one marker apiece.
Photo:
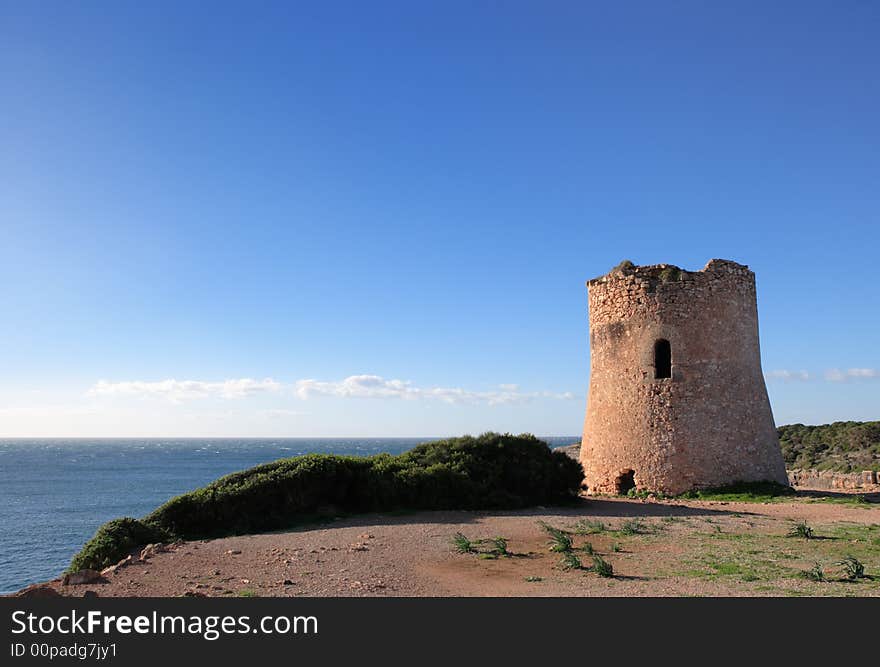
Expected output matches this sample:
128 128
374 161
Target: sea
55 493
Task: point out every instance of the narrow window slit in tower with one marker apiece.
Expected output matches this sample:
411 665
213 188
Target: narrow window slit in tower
662 359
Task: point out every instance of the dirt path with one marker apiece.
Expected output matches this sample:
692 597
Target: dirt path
667 548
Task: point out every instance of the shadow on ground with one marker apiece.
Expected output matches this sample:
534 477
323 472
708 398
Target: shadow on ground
873 497
582 508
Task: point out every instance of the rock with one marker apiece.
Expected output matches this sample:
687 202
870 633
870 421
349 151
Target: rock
83 577
151 550
358 546
125 562
38 591
287 582
233 552
90 594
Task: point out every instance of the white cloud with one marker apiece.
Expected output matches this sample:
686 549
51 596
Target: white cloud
48 411
354 386
375 386
831 375
282 413
179 390
838 375
789 376
359 386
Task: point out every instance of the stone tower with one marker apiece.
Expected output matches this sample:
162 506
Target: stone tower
677 399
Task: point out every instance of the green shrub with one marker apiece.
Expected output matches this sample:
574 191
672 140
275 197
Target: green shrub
602 567
492 471
114 541
815 573
570 561
634 527
588 527
801 529
670 274
560 541
462 544
499 546
853 568
841 446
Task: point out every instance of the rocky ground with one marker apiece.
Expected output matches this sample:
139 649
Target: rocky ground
656 548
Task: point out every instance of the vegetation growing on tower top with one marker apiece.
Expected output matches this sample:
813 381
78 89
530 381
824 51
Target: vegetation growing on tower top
623 267
670 274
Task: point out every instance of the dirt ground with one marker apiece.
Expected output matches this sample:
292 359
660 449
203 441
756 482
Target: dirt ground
656 548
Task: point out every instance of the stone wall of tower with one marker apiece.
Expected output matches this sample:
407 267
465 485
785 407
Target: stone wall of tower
710 423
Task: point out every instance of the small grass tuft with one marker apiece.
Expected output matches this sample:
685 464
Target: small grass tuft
485 549
462 544
587 548
571 562
616 548
602 567
533 579
634 527
815 573
560 541
853 568
588 527
802 530
499 546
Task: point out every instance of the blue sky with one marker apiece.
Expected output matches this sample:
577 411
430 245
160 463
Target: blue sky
211 218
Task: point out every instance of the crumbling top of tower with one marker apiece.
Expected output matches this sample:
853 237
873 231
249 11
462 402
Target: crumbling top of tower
668 273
